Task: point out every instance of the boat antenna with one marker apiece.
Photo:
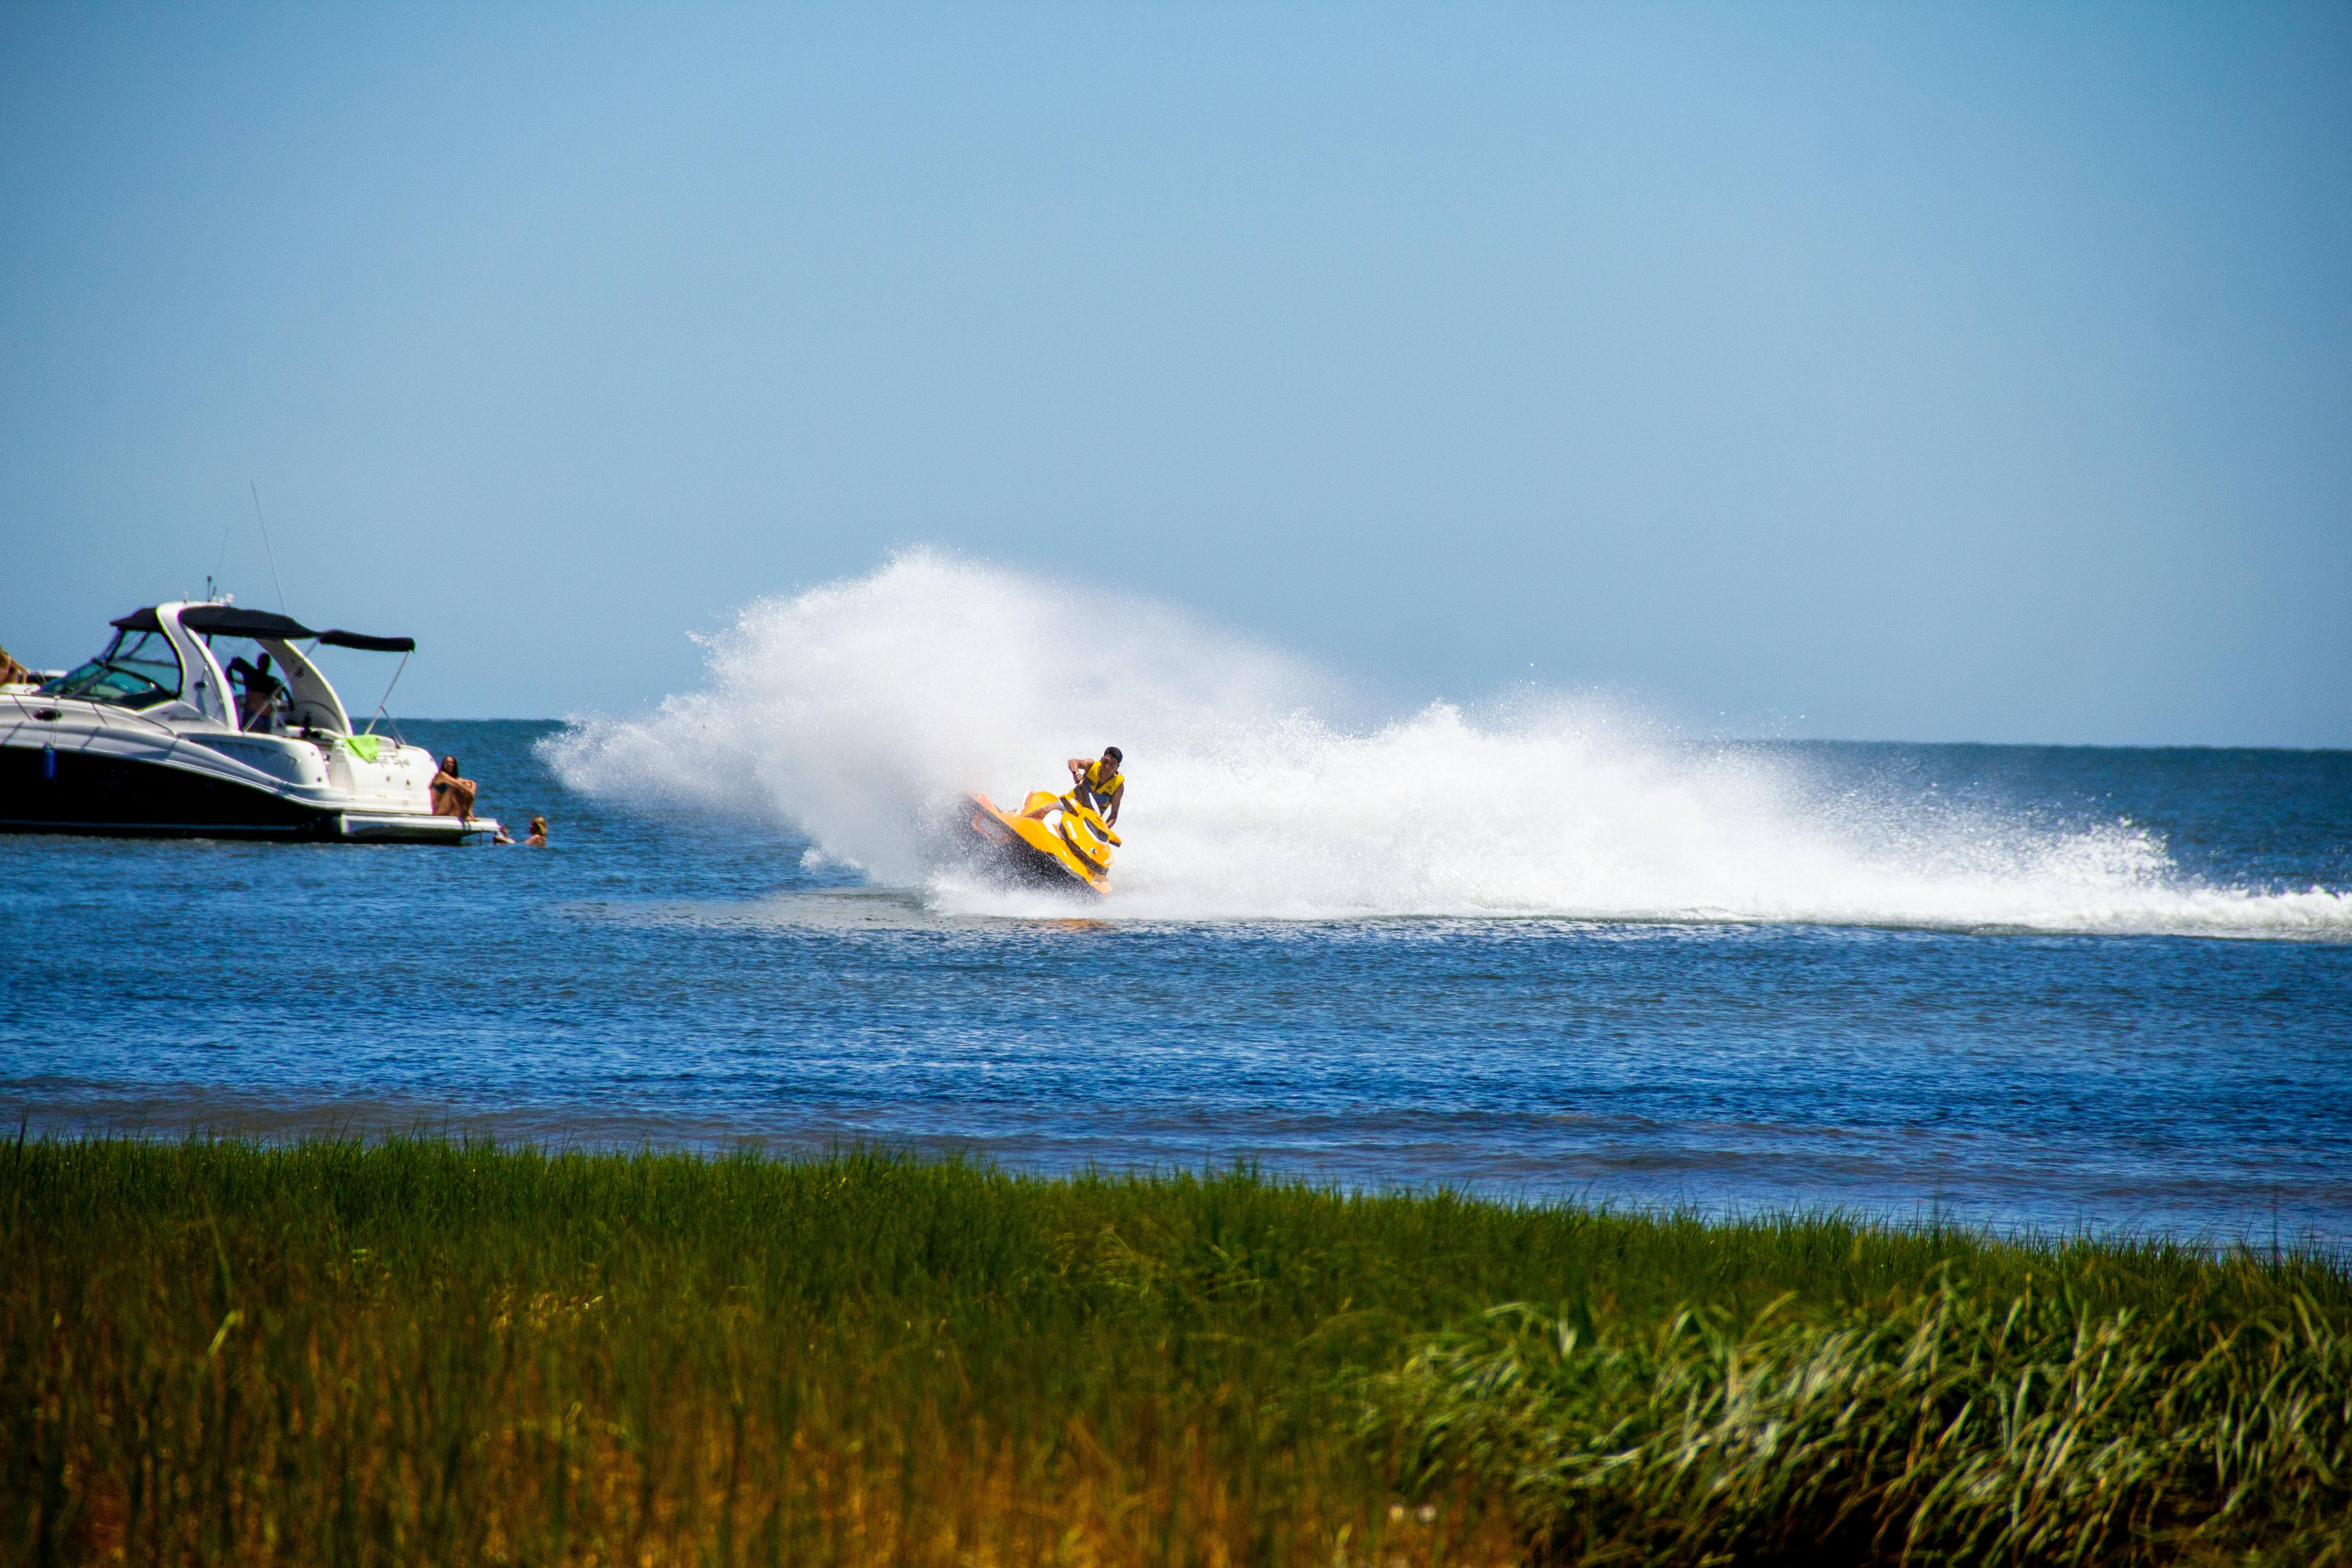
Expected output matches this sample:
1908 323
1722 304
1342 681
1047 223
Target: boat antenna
264 545
221 560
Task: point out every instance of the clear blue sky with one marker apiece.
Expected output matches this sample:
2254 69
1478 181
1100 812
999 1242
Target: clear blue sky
1964 372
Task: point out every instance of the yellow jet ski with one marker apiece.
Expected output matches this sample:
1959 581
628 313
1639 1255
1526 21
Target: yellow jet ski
1071 853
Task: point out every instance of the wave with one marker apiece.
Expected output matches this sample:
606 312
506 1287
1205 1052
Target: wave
854 711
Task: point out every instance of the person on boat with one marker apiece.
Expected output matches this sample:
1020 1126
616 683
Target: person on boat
260 690
452 796
1099 784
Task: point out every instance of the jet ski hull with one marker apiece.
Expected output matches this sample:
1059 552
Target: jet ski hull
1029 851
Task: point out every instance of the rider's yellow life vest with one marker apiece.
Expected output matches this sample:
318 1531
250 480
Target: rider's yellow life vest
1103 788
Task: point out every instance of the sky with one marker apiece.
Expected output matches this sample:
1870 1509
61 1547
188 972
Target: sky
1931 372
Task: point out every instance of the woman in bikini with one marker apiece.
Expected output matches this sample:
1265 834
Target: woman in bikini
452 796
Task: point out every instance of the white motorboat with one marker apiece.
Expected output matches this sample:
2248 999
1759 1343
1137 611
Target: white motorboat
173 732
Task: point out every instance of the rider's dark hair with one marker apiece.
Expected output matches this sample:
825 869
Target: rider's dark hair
1114 754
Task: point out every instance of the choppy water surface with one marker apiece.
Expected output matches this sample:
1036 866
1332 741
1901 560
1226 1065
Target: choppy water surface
1518 948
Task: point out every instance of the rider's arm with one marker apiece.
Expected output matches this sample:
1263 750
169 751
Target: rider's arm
1116 796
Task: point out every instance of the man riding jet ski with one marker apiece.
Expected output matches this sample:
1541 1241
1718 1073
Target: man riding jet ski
1061 841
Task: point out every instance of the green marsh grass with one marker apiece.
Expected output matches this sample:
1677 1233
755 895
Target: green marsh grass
435 1352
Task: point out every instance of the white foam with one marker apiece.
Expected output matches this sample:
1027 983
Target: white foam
853 711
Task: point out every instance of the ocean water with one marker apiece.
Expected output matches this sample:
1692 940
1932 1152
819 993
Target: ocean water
1540 947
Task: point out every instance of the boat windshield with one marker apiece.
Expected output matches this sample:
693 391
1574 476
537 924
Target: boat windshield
138 669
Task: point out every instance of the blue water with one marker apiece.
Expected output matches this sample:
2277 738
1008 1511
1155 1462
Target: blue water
694 975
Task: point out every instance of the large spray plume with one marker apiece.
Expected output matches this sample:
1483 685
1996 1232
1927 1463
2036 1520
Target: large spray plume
852 711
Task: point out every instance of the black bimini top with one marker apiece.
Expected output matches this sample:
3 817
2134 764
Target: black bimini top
228 620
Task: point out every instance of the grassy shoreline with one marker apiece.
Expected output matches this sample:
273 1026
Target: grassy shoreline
425 1351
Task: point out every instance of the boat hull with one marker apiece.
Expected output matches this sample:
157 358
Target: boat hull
78 791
